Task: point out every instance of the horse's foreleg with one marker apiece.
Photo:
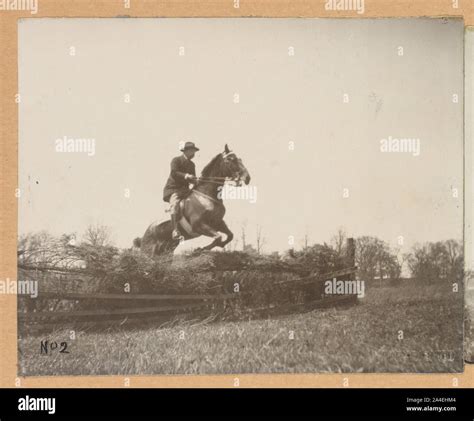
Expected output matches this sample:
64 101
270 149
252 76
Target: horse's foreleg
222 227
208 231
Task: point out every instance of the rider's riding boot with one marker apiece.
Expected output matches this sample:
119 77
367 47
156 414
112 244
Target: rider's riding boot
174 223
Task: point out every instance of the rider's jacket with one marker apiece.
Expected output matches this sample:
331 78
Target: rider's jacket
180 166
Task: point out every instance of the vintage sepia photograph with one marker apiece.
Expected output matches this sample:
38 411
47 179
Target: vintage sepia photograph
469 189
240 195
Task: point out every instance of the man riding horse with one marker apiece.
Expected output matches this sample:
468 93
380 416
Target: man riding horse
182 175
199 211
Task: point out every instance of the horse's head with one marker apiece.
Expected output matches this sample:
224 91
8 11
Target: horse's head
233 167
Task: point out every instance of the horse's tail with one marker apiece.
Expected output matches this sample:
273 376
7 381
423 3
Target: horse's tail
137 242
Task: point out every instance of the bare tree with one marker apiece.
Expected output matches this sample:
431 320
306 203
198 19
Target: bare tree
402 258
305 240
455 258
243 235
338 241
260 239
98 235
234 244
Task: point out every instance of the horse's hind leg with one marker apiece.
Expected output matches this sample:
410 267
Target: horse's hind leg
164 247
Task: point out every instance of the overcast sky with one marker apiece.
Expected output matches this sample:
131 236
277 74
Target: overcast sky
398 78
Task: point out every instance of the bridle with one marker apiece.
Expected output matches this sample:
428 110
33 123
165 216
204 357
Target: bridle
221 180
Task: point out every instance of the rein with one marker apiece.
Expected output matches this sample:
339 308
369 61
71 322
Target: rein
213 178
216 180
207 196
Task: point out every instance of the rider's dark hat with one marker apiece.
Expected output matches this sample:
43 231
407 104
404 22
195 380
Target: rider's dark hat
189 145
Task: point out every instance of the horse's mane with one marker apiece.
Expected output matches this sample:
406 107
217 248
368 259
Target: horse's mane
207 169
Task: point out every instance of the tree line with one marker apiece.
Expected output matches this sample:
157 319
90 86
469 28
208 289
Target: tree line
375 258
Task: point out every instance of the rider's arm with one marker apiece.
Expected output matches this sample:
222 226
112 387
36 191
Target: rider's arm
192 174
175 170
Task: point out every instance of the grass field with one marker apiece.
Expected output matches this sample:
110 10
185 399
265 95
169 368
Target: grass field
409 328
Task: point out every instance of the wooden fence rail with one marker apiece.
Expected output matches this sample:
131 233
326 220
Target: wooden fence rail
117 312
131 297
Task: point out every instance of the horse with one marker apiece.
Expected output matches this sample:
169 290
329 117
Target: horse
202 209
